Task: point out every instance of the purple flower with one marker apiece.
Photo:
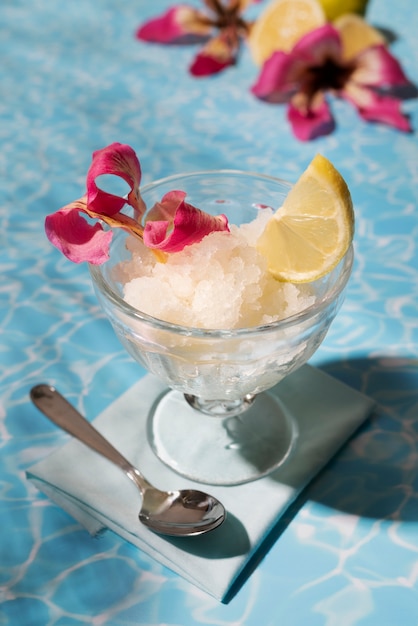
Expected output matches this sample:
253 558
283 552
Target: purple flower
220 29
318 64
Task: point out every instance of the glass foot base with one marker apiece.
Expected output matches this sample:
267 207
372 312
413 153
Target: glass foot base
228 450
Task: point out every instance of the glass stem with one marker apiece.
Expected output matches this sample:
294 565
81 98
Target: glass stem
220 408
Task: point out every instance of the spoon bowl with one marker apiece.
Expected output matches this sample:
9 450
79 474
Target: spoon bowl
181 513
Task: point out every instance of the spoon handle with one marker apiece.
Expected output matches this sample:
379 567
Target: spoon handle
56 408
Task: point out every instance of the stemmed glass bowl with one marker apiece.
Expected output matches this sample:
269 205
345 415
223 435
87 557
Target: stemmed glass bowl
217 422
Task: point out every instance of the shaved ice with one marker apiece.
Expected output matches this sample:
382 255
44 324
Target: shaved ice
222 282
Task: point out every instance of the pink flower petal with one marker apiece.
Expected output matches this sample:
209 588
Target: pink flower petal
278 78
374 107
315 121
377 67
68 231
179 24
119 160
79 241
206 65
167 207
319 46
189 225
218 54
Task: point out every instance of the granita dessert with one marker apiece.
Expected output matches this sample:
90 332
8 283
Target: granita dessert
224 269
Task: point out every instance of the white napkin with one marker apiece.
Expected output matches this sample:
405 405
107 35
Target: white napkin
99 495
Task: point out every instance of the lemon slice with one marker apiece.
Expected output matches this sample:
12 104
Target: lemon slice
281 25
356 35
308 236
335 8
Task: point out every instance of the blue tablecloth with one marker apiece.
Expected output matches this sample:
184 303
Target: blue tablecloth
74 79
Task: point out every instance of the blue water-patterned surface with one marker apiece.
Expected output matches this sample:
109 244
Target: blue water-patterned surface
73 79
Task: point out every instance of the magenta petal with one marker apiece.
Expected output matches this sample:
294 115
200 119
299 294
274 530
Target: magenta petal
219 53
388 111
377 67
68 231
206 65
374 107
165 210
180 24
119 160
316 122
278 78
319 45
190 226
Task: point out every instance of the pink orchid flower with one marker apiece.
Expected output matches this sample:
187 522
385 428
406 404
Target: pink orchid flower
316 65
221 29
80 240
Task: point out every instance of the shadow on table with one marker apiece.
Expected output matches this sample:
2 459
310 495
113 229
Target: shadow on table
375 474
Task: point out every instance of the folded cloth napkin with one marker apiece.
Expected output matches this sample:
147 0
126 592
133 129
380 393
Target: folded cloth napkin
99 495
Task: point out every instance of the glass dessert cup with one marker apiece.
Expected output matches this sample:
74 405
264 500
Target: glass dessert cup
218 423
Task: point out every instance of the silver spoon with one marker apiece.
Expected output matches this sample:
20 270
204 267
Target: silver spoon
178 513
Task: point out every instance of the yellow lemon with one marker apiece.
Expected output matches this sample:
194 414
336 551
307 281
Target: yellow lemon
356 34
308 236
335 8
281 25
